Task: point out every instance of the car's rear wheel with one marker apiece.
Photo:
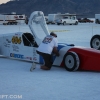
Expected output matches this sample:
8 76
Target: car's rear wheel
76 23
64 23
95 42
71 61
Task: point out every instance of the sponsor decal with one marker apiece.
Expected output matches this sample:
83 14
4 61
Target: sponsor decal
15 48
30 58
6 44
17 55
35 59
20 56
17 33
9 41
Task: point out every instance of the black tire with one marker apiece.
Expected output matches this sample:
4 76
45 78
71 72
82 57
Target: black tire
8 23
76 23
15 23
64 23
95 42
97 21
71 61
58 23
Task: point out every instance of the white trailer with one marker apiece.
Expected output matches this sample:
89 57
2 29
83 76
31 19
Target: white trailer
53 17
97 18
12 19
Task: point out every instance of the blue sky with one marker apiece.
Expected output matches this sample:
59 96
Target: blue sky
3 1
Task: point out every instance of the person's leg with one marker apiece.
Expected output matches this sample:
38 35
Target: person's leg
33 67
47 59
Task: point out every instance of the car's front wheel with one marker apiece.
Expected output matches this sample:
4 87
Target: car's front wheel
71 61
95 42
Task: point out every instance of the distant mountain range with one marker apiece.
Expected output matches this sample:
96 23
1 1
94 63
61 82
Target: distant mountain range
87 8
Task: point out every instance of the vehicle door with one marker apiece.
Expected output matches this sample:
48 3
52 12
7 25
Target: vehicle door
73 19
29 47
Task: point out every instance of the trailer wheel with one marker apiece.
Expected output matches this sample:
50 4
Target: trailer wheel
95 42
97 21
71 61
15 23
58 23
4 24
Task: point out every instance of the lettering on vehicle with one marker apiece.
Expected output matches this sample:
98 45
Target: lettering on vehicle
15 48
9 41
30 58
20 56
16 55
6 45
16 40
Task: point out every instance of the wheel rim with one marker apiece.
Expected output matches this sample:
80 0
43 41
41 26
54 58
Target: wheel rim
69 61
96 43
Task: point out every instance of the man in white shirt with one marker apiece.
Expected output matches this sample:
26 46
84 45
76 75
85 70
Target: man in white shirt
46 48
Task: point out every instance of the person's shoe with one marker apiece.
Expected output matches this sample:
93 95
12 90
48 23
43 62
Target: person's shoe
45 68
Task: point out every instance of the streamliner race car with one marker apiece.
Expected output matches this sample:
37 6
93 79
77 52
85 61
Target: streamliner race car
23 46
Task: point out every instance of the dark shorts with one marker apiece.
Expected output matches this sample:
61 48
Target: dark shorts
47 59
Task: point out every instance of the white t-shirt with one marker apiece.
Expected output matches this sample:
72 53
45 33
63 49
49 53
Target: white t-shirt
47 45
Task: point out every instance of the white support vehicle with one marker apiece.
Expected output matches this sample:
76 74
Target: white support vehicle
97 18
68 19
12 19
62 19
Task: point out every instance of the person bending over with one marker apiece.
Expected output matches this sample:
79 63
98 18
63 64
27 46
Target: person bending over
46 48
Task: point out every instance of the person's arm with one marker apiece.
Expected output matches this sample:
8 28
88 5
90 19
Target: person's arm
55 51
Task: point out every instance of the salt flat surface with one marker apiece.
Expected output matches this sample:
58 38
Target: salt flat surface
56 84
